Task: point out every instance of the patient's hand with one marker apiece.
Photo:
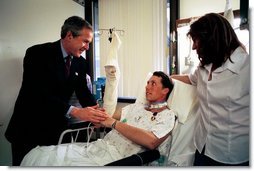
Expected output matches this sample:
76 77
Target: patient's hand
108 122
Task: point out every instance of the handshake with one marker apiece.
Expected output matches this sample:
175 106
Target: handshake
95 114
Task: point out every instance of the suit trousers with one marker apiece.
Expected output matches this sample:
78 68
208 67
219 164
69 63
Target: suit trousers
19 150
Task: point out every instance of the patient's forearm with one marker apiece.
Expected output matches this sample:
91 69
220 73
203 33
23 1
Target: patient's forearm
139 136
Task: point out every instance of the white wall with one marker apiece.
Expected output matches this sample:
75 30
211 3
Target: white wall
23 24
195 8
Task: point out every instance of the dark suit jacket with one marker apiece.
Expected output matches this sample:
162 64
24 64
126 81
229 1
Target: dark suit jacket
39 112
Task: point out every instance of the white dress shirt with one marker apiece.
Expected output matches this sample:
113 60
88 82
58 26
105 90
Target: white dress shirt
223 126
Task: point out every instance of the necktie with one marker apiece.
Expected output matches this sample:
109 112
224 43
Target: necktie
67 65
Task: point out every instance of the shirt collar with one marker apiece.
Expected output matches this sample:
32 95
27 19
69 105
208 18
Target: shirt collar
63 50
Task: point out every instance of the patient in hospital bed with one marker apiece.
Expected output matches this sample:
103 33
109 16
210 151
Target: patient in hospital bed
140 127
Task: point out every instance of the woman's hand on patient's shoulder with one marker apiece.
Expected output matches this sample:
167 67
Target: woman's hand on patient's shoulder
183 78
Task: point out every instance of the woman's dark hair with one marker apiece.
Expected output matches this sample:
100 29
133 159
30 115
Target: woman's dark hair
74 24
165 81
216 39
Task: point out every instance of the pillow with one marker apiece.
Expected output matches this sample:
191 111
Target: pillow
141 98
182 99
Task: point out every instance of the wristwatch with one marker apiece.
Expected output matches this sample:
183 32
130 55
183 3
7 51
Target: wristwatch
114 124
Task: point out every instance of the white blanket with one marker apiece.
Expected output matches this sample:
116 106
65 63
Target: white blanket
113 146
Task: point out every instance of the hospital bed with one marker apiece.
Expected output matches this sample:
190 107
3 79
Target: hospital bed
184 102
134 160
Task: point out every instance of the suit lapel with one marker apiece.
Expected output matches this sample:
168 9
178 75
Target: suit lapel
59 61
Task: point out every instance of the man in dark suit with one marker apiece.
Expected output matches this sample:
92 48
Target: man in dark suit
42 108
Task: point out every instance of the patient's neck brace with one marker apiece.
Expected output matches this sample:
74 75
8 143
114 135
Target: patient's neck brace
157 105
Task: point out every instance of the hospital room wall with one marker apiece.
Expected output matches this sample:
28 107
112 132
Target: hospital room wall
23 24
189 9
200 7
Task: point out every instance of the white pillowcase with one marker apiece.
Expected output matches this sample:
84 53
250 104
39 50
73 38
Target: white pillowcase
142 91
182 99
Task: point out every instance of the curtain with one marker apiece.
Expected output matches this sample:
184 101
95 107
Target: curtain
144 41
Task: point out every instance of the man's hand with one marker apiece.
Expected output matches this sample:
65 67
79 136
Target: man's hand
93 114
97 125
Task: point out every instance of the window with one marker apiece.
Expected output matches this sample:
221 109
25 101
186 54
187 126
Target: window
187 55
